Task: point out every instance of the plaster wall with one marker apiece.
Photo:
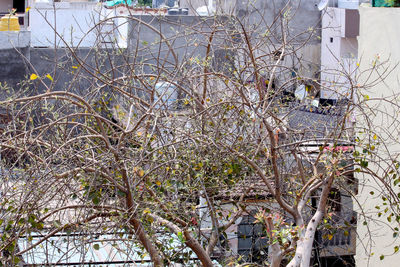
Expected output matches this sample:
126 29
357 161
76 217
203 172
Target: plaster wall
14 39
61 65
6 5
14 51
378 42
74 23
304 18
167 41
222 7
338 55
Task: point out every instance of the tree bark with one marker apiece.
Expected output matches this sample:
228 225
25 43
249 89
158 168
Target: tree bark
146 242
305 243
189 240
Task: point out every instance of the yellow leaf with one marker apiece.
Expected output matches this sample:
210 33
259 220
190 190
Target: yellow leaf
158 183
33 76
146 210
141 173
375 137
74 67
27 9
49 77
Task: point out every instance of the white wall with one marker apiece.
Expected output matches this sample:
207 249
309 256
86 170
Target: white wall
222 7
74 22
338 54
378 41
14 39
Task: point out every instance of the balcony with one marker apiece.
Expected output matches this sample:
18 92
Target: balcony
341 241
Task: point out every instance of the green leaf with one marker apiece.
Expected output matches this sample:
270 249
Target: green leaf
381 257
180 237
96 200
396 249
121 193
364 164
96 246
16 260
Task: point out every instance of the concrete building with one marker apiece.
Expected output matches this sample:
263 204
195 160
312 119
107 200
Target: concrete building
76 24
378 44
340 28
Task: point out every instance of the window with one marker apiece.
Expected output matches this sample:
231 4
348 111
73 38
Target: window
334 201
252 242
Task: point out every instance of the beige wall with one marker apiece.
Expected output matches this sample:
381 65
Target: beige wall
379 41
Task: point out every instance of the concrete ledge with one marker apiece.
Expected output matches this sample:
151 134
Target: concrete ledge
65 5
13 39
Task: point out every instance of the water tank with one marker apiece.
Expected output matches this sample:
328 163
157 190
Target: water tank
168 94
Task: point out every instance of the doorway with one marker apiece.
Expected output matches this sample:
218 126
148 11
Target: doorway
19 5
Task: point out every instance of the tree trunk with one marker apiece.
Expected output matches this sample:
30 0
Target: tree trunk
305 243
146 242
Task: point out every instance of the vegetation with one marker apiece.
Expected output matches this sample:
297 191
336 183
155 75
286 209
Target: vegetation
172 142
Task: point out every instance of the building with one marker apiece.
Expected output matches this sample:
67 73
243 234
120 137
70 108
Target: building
74 20
378 36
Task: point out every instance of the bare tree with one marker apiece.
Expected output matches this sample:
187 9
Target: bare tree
164 146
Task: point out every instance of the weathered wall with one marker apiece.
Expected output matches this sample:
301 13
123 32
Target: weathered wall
14 51
6 5
165 42
62 65
378 42
67 70
302 16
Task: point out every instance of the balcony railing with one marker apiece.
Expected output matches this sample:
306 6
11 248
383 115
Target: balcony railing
338 242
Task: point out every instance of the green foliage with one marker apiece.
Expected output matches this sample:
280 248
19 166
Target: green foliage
144 3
